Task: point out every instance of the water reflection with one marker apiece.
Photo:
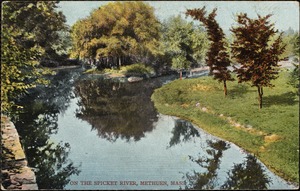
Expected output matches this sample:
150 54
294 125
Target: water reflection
117 110
208 179
247 175
182 132
37 122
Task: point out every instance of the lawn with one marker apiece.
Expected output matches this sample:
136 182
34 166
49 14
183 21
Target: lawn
271 133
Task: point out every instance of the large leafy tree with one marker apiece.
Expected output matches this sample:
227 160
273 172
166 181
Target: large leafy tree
39 19
116 33
23 44
217 55
257 55
183 42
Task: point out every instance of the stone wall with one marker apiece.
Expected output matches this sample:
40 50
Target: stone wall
15 173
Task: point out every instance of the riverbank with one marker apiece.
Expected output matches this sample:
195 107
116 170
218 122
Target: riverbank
16 175
272 133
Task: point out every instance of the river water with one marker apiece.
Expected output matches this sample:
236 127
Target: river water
89 133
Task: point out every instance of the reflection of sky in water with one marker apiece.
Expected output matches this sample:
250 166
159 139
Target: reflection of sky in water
149 159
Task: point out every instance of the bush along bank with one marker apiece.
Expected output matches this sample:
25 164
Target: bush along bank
133 72
272 133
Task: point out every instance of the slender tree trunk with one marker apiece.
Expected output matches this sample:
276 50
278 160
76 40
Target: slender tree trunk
260 94
210 71
225 88
180 74
120 62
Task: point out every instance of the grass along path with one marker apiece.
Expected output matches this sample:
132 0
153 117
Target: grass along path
272 133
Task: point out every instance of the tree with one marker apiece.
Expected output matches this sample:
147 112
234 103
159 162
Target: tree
288 38
117 33
296 46
183 42
257 56
217 56
294 75
45 26
23 44
19 68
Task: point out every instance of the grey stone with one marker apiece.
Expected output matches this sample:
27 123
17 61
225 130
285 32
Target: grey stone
29 187
26 177
134 79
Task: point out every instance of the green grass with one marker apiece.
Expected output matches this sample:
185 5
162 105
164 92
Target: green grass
136 70
93 71
279 116
129 70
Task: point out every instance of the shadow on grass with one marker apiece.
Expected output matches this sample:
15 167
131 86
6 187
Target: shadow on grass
284 99
239 91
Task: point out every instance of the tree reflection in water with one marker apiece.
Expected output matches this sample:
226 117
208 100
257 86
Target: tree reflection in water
117 110
207 180
246 175
35 124
182 132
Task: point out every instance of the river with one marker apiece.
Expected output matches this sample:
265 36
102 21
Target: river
83 132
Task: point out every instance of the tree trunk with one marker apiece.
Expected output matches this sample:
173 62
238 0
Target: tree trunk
225 88
120 62
180 73
210 71
260 94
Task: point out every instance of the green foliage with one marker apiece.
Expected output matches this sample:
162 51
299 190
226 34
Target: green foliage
40 23
180 62
294 77
137 70
183 42
119 30
296 45
280 117
23 44
290 40
295 74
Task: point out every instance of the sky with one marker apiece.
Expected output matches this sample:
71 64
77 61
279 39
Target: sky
285 13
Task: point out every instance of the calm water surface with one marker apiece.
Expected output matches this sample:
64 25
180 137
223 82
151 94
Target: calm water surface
95 134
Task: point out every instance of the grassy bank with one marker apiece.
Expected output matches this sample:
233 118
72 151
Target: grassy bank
130 70
272 133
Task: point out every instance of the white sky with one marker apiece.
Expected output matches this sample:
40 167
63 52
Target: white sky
285 13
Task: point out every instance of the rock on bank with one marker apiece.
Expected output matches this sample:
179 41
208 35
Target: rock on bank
16 175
